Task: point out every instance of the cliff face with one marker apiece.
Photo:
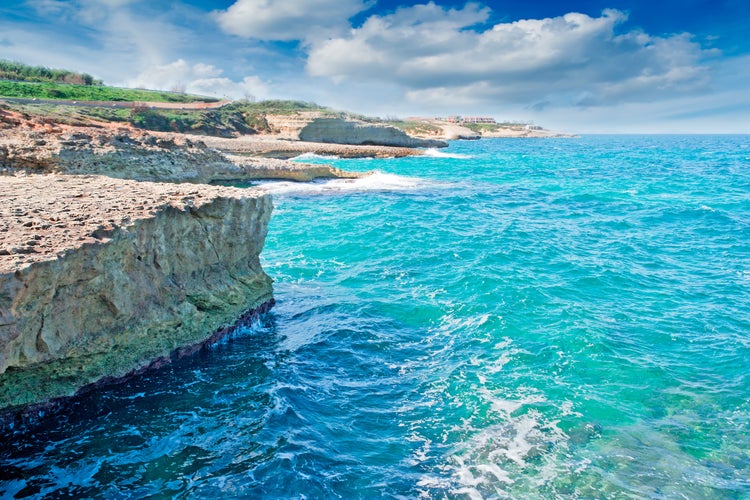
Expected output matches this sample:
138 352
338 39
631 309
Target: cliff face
133 155
343 131
163 272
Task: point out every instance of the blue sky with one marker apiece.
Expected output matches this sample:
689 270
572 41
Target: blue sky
583 66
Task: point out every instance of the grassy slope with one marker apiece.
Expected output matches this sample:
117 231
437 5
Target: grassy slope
54 90
492 127
11 70
232 119
415 127
30 82
18 80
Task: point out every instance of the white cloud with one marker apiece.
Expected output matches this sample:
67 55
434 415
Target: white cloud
50 7
288 19
251 87
202 79
111 39
575 59
574 72
82 10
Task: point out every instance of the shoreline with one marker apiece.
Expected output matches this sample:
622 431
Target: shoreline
278 147
102 276
74 196
26 414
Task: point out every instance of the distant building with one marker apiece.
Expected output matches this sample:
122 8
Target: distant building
467 119
478 119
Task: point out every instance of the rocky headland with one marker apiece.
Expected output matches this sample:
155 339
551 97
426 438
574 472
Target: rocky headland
129 153
103 272
102 277
118 254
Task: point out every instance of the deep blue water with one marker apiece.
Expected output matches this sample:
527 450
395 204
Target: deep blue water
505 319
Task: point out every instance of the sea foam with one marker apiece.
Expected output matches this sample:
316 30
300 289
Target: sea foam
314 156
436 153
377 181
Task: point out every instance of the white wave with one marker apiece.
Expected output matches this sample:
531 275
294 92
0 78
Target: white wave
498 457
377 181
315 156
436 153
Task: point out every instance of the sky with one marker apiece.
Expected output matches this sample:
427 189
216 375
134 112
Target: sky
584 66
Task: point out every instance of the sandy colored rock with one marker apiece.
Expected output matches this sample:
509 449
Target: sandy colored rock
349 131
100 276
128 153
277 147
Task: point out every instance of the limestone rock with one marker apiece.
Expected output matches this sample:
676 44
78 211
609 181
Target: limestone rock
126 153
124 273
349 131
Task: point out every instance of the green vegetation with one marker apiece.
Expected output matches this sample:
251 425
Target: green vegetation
44 86
280 107
415 127
492 127
239 117
68 115
49 90
10 70
37 82
226 121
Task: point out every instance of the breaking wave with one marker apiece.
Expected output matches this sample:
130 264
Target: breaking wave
377 181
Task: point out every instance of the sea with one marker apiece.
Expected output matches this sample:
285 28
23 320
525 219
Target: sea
503 318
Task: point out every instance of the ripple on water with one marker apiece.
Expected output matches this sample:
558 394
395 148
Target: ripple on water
507 319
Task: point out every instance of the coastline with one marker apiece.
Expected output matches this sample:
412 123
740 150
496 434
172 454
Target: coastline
119 255
23 414
74 196
267 146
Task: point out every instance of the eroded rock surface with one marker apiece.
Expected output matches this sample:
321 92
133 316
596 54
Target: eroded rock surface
268 147
100 276
126 153
348 131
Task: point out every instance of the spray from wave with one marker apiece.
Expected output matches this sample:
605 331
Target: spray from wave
306 157
436 153
377 181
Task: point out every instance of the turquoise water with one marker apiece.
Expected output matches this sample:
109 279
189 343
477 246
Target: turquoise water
504 319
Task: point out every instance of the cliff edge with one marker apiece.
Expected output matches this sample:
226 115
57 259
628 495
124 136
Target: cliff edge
100 277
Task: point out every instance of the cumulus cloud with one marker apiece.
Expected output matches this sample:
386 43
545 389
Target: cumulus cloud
110 39
288 19
202 79
437 54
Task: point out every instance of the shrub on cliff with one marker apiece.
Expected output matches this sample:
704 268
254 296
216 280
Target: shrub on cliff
10 70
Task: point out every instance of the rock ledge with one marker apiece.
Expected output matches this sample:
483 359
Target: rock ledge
99 277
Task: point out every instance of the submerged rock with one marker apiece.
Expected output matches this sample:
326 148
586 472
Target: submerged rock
100 277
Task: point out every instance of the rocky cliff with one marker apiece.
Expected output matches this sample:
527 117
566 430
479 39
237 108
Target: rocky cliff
348 131
100 277
131 154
